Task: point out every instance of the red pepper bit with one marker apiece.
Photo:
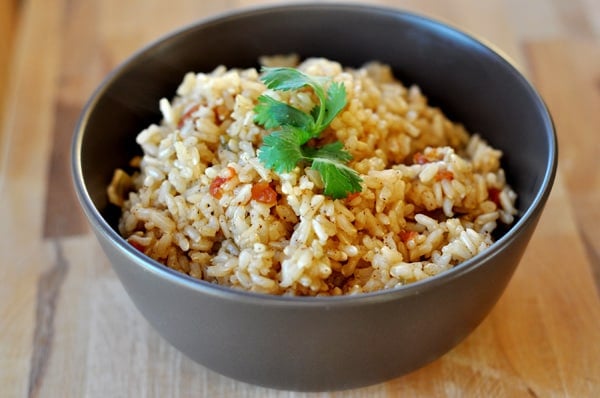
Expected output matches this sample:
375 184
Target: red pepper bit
444 175
187 114
352 196
215 187
494 195
405 236
137 245
419 158
262 192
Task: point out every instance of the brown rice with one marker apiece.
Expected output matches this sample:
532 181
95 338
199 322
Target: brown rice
432 193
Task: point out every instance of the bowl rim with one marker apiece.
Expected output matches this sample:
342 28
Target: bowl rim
101 226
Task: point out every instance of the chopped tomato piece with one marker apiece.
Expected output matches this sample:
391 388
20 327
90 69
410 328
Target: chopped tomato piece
216 185
494 195
137 245
262 192
405 236
352 196
444 175
419 158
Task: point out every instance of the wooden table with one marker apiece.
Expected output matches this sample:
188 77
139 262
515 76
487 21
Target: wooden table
67 328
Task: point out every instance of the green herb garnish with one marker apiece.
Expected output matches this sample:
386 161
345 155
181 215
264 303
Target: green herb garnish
288 145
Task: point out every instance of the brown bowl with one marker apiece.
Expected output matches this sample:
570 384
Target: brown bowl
325 343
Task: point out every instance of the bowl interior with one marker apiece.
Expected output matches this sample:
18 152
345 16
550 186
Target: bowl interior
471 83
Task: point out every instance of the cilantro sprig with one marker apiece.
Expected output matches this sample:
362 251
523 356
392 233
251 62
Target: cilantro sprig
288 145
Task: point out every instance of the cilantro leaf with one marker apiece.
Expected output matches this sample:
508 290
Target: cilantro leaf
272 113
334 151
315 111
281 150
286 79
336 101
284 149
339 180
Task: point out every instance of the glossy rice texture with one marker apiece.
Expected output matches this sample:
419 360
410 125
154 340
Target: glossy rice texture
203 204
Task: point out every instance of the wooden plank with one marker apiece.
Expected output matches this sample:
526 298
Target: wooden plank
574 18
49 287
536 19
23 156
82 68
8 25
574 100
25 140
592 9
18 297
554 306
62 216
487 21
121 37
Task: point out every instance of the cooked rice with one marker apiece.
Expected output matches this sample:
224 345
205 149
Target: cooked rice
432 194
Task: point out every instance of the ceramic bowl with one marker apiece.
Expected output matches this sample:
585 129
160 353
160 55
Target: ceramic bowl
327 343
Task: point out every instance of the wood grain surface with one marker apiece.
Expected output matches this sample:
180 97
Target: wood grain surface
67 327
